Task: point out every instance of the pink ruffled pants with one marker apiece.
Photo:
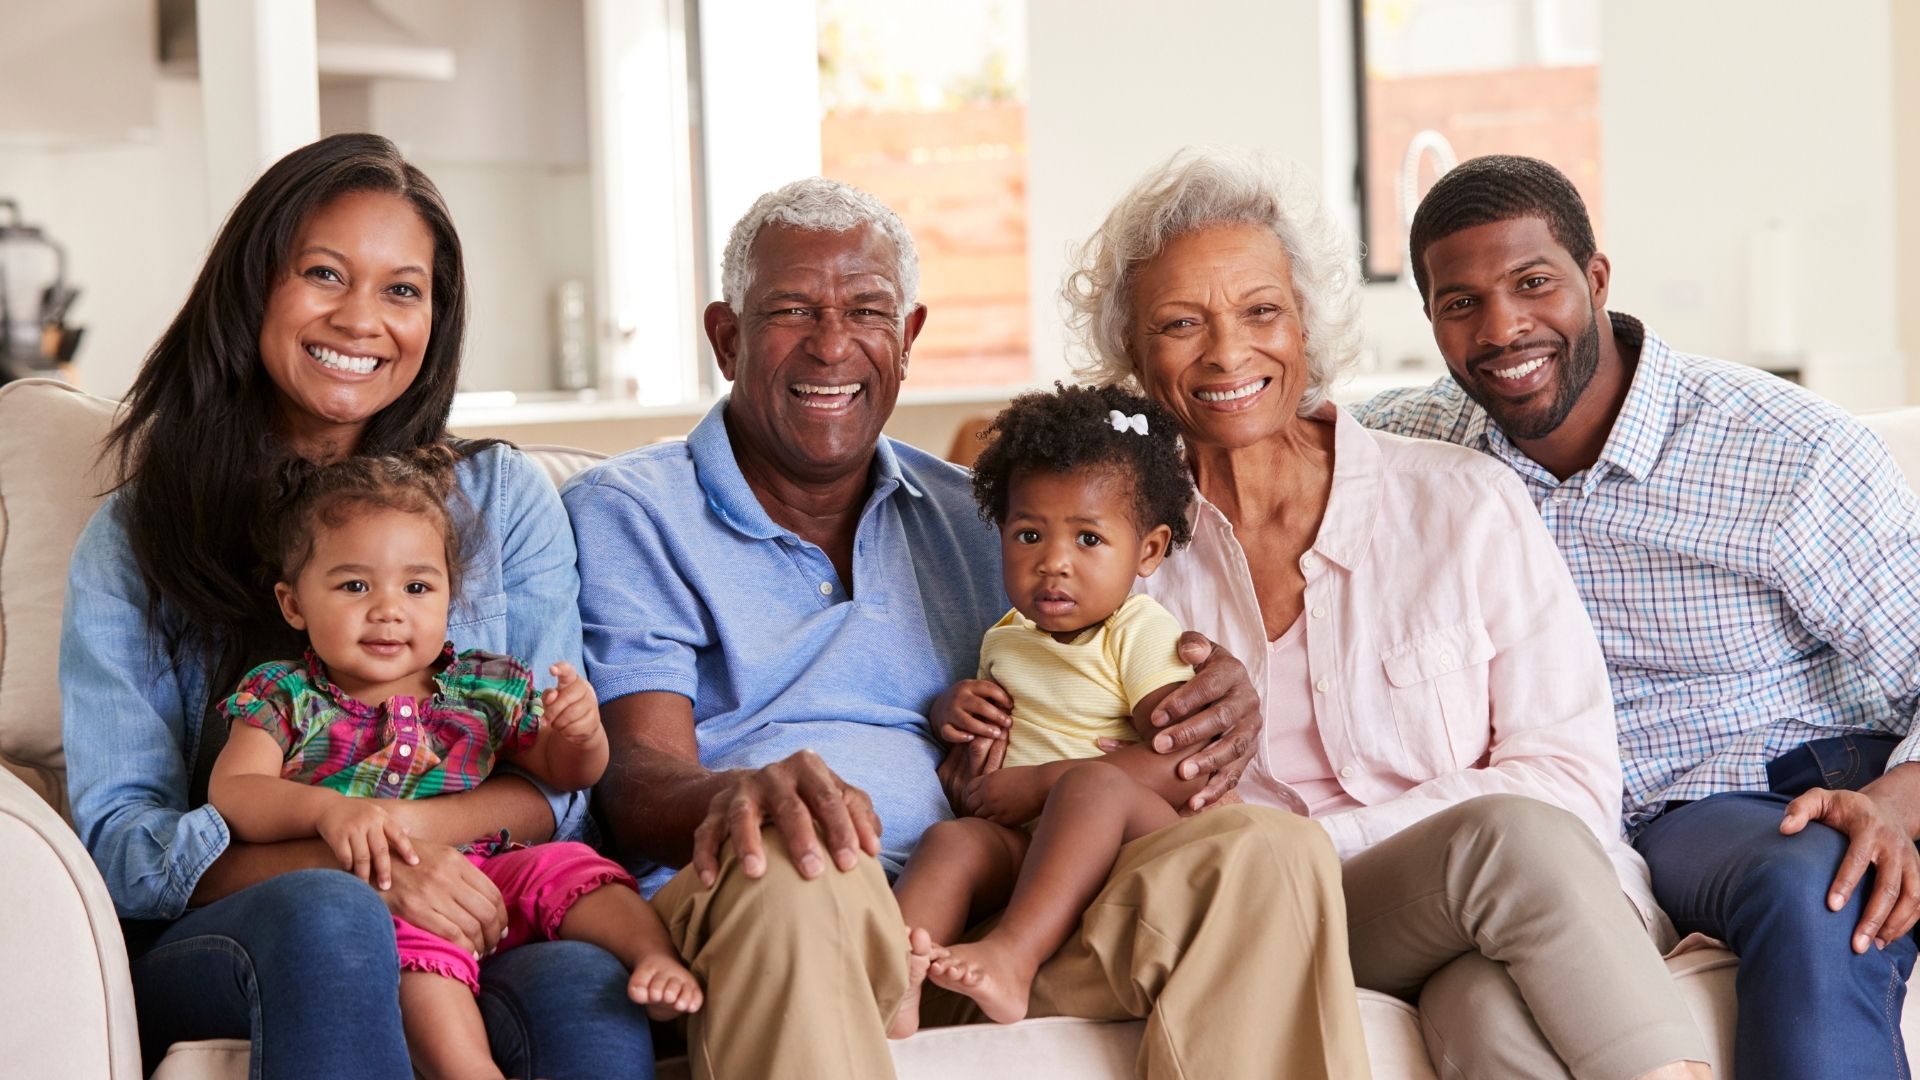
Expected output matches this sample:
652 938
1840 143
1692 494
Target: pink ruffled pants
539 884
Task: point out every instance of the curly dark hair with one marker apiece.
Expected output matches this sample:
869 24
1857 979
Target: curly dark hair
1499 187
1071 428
308 498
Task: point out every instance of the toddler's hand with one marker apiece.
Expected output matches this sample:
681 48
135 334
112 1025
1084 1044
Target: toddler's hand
973 708
365 839
571 709
664 986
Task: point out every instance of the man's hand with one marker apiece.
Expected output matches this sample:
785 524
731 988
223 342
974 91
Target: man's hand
965 762
444 894
570 707
1876 838
1010 797
1216 711
364 839
972 708
797 795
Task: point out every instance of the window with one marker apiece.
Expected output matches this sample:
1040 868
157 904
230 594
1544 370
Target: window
925 107
1441 81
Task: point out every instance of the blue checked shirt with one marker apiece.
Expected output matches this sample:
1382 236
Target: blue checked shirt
1749 555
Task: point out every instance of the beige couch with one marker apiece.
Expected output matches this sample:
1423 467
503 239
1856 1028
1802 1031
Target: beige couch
66 1005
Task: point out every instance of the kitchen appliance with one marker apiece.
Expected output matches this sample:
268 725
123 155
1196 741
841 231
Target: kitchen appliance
35 298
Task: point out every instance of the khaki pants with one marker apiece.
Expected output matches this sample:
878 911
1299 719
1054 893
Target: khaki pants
1224 932
1503 916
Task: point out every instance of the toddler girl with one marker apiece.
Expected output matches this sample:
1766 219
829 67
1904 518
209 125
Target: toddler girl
1089 489
381 708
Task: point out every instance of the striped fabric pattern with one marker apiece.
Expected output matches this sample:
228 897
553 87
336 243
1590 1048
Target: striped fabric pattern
405 748
1748 554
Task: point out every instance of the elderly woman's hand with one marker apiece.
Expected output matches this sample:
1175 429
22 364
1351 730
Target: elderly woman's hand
1216 712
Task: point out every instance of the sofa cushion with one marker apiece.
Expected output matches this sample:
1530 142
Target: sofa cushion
49 486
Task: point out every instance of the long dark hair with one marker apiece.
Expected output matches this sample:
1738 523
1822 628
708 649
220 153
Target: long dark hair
196 447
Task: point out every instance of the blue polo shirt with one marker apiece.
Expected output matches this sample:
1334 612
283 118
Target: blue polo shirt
687 586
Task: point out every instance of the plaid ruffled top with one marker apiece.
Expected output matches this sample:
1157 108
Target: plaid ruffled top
485 706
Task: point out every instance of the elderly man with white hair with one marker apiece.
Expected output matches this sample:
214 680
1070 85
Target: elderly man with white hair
771 610
1435 697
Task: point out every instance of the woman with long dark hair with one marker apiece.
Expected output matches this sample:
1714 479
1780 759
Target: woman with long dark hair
326 322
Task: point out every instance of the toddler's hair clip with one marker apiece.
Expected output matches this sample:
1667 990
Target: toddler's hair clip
1121 421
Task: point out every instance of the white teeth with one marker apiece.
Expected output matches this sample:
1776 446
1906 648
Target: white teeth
1231 395
1521 371
359 365
808 390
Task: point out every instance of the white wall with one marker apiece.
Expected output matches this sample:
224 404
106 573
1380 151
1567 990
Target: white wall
134 218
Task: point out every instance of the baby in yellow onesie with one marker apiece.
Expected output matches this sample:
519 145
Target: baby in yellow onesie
1090 490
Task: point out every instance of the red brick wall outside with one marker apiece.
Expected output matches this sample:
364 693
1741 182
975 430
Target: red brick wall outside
1549 113
958 178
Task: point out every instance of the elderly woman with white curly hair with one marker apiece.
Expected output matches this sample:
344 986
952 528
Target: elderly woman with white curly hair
1434 694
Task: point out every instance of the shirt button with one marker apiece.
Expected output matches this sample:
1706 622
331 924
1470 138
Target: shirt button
1346 772
1446 659
1319 613
1321 686
393 778
1308 562
826 588
406 751
406 710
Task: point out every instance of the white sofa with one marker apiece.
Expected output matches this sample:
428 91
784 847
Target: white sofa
66 1003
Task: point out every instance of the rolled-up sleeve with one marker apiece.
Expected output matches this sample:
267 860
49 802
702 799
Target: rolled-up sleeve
126 728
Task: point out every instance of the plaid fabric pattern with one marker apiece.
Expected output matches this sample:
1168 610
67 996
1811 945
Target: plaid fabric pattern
404 749
1748 554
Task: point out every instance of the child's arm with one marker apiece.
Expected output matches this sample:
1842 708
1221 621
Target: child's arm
570 752
260 807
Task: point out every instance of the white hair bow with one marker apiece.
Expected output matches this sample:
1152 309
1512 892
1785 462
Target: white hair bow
1121 421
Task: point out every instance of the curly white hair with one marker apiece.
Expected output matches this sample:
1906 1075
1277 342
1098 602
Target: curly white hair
818 205
1194 189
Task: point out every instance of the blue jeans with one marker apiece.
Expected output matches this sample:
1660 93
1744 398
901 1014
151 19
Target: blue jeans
304 966
1808 1005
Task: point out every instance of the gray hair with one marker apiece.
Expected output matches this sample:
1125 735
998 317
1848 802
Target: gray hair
817 204
1195 189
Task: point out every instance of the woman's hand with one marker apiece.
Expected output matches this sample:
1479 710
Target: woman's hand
364 839
963 764
1216 712
972 708
443 893
1010 797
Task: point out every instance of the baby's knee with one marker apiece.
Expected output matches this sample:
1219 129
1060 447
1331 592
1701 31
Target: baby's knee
1093 779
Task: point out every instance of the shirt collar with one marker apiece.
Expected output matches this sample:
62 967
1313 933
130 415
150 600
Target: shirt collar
725 486
1640 430
323 682
1353 504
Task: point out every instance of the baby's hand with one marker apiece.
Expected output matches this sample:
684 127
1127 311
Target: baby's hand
973 708
364 839
664 986
571 709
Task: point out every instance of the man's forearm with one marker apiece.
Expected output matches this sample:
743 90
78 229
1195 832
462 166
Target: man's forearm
1898 789
654 802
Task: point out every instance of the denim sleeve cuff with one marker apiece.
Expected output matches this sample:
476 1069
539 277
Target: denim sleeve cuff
200 837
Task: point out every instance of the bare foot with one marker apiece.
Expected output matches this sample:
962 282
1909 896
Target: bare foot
920 952
665 987
989 974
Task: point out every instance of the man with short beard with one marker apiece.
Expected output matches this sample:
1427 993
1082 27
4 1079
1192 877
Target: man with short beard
1749 555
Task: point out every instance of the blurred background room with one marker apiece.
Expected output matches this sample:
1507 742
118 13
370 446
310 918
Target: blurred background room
1753 170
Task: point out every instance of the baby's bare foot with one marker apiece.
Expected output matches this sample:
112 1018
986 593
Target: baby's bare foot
991 975
920 952
665 987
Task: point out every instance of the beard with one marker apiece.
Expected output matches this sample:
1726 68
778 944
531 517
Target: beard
1575 366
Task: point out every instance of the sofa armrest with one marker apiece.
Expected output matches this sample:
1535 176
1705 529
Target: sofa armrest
67 996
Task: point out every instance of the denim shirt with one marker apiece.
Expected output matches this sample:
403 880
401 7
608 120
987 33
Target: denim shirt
132 717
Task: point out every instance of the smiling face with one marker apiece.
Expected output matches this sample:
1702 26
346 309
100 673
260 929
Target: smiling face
1217 336
373 599
1517 321
818 350
1070 550
346 329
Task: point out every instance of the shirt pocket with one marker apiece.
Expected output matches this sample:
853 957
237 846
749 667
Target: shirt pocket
1437 685
479 622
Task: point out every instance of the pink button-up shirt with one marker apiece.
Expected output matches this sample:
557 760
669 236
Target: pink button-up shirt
1448 654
